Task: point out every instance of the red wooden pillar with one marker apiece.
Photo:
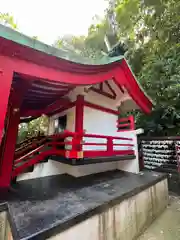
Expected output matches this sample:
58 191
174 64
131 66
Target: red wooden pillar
79 118
9 141
5 82
6 76
79 114
9 148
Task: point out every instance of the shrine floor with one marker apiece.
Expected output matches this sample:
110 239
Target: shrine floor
42 208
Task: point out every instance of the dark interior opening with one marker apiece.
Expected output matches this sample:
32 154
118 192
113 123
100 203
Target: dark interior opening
60 126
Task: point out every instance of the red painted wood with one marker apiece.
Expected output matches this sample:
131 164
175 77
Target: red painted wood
10 48
57 104
29 163
100 108
6 75
110 145
7 158
121 125
73 153
79 121
105 94
29 154
118 85
62 109
56 107
15 101
52 74
132 122
111 89
79 114
101 91
25 149
123 119
126 122
120 72
106 137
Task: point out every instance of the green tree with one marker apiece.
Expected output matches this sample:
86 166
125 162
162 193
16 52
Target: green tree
33 128
7 20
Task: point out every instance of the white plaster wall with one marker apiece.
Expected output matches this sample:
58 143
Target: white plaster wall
54 168
70 113
49 168
125 221
70 119
98 122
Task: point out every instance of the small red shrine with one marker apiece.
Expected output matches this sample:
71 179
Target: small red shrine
81 99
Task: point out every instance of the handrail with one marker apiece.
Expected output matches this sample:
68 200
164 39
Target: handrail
77 140
29 154
72 134
105 136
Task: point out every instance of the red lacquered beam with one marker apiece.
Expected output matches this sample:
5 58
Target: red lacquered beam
35 160
120 125
104 136
29 154
123 119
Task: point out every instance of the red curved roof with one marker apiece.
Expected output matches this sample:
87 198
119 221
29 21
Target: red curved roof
51 76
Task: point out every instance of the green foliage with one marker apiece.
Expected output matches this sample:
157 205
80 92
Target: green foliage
32 128
148 32
91 46
8 20
151 31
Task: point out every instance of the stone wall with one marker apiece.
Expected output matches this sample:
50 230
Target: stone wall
124 221
5 231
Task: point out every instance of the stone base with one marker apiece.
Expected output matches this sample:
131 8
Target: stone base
113 205
5 230
124 221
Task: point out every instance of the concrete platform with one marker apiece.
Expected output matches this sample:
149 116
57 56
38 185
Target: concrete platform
112 205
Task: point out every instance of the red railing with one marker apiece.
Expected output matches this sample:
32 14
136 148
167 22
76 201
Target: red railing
126 124
25 147
109 151
76 151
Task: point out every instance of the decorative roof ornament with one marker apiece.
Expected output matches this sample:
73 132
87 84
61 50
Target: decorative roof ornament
114 47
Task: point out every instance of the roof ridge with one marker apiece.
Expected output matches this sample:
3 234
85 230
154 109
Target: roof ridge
19 38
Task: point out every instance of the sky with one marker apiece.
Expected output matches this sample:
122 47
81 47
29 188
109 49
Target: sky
49 19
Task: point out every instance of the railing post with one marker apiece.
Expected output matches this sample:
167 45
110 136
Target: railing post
76 150
110 145
132 124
